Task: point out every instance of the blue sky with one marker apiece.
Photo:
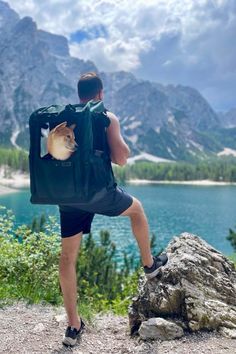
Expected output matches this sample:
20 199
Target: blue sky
88 34
188 42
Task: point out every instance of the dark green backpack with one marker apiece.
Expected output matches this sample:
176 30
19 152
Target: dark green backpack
86 172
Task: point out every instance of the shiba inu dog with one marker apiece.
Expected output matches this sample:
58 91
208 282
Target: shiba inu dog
61 141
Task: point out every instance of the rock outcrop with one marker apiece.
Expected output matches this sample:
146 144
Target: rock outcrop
196 290
159 328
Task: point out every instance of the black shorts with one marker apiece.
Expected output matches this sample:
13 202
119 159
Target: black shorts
78 217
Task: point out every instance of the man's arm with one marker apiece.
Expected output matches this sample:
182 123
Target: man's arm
118 148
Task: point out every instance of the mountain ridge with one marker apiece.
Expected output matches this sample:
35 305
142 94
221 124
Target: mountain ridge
173 122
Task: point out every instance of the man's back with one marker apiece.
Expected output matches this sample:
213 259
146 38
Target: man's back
119 150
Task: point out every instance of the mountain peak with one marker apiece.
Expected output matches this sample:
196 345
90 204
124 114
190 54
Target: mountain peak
57 44
26 24
8 17
5 7
173 122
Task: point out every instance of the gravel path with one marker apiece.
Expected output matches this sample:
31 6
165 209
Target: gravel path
29 329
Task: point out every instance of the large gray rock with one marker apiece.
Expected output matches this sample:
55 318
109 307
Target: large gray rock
196 289
159 328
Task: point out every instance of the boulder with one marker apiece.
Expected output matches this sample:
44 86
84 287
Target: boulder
196 289
159 328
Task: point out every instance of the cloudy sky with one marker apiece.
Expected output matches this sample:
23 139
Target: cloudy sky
189 42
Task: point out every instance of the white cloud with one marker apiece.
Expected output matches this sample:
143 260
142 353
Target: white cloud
170 41
111 55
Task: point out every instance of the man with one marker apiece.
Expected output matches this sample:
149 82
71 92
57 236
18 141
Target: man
75 221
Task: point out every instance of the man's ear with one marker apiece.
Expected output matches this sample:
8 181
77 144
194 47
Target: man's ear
100 95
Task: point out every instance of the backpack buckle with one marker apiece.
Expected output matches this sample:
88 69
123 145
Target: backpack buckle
69 107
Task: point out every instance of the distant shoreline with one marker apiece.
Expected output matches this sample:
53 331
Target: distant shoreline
7 190
204 182
14 185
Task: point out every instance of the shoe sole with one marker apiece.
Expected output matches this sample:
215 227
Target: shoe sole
155 272
70 342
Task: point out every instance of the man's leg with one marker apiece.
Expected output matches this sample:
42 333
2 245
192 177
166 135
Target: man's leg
140 230
67 274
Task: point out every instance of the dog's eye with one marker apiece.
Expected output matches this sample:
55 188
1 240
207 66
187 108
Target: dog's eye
68 136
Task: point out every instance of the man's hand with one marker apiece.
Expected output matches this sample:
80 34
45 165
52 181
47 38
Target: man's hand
118 148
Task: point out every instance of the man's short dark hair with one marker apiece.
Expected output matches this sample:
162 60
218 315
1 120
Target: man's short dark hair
89 85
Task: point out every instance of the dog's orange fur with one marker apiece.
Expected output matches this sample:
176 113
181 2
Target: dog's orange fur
61 141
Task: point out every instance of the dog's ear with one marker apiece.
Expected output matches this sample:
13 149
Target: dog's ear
72 126
59 126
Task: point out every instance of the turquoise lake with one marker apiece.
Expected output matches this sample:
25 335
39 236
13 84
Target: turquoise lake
207 211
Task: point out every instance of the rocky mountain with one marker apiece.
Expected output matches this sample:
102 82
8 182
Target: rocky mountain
228 119
172 122
36 69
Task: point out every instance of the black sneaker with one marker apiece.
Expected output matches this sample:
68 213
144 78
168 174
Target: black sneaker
159 261
72 334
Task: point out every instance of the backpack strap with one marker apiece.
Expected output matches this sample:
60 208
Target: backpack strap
103 121
107 120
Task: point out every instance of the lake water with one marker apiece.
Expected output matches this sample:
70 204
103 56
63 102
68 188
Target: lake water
208 211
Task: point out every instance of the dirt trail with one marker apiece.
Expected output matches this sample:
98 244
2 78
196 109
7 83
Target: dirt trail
30 329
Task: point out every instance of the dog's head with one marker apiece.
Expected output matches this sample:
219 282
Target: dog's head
61 140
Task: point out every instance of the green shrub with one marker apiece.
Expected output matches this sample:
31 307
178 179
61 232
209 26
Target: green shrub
232 238
29 267
101 279
28 262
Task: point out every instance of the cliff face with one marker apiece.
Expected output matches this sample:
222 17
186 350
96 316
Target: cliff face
228 119
36 69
